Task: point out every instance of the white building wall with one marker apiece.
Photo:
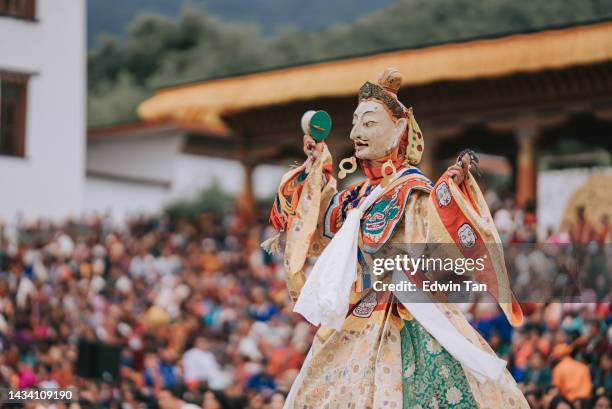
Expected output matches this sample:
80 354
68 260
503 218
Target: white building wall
49 181
266 179
194 173
128 175
131 174
121 199
149 156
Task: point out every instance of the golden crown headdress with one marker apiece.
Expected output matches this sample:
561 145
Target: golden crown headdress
389 83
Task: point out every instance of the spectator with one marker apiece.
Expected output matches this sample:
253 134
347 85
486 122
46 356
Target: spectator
533 399
262 381
200 365
277 400
602 377
559 402
27 377
167 400
261 310
572 377
214 400
581 231
537 374
602 402
603 236
550 392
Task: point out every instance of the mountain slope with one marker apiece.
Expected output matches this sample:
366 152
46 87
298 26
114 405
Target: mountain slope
113 16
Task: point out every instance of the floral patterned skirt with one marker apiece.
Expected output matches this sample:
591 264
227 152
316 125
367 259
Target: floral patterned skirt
383 358
431 377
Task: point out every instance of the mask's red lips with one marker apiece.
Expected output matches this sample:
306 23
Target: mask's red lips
360 143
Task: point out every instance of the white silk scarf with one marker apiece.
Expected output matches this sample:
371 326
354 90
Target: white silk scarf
324 299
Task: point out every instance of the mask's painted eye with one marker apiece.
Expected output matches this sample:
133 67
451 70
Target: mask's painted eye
369 124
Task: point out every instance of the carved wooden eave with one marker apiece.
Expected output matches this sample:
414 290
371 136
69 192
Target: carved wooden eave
209 101
543 77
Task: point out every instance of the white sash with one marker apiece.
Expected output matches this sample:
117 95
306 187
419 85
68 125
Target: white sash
482 364
324 299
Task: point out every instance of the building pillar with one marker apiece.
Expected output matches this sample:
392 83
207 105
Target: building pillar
428 159
526 165
245 201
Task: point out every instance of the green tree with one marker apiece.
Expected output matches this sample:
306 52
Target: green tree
212 200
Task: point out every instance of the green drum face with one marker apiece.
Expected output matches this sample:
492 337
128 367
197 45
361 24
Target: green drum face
320 125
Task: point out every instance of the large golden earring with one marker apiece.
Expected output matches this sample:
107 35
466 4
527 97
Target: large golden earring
388 171
344 170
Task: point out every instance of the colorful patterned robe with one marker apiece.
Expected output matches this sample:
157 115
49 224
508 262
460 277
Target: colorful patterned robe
383 357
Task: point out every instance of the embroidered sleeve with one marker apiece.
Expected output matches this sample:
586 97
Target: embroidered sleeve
286 198
297 211
458 215
289 192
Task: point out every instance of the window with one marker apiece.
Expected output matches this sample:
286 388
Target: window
13 92
25 9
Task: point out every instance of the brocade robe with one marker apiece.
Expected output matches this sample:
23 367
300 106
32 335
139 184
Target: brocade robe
383 357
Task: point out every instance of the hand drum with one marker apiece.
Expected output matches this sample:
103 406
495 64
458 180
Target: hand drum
316 124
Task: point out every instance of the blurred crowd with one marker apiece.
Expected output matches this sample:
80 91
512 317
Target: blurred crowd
562 355
572 263
203 318
200 312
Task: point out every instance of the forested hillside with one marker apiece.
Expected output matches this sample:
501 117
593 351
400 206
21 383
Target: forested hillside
113 16
161 50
